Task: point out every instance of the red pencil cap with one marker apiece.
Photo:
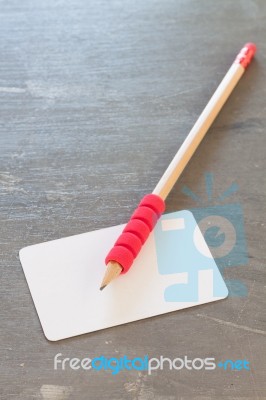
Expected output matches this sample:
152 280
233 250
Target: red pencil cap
246 54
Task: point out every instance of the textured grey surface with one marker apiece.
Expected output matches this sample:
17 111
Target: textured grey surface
95 99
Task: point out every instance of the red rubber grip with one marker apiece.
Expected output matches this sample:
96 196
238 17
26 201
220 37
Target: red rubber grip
136 232
139 228
130 241
146 215
155 202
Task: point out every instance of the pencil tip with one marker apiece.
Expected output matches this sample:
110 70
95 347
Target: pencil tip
113 270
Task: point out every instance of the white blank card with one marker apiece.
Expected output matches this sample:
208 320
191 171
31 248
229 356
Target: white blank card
174 270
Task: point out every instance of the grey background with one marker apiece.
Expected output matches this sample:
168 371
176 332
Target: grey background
95 99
